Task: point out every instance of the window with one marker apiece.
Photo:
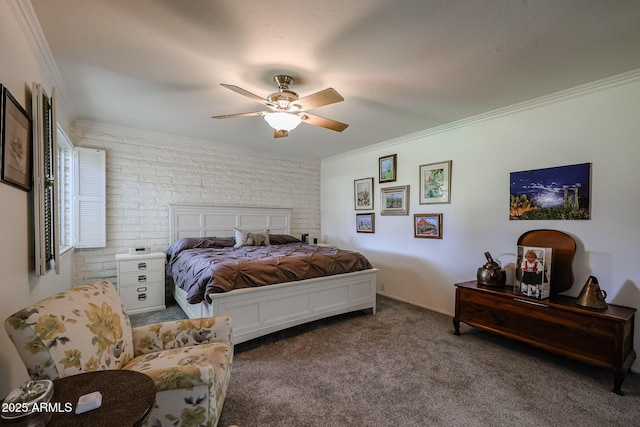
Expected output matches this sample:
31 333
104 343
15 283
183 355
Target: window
65 191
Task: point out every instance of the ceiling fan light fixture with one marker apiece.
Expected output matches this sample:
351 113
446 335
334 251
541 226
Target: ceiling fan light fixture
282 121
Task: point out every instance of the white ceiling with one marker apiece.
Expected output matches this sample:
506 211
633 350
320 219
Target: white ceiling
402 66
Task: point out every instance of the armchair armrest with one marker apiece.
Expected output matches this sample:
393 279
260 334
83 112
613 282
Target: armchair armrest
181 333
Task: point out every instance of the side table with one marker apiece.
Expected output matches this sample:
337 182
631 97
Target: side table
127 399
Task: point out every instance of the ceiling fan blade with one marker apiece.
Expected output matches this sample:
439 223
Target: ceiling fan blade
280 133
231 116
312 119
318 99
246 93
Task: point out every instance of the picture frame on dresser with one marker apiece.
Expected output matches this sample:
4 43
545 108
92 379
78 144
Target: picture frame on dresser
15 142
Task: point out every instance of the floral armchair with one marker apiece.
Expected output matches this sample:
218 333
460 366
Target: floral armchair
86 329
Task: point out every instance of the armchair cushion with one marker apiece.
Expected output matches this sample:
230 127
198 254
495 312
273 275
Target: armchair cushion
87 328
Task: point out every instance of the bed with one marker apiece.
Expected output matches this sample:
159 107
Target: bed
261 310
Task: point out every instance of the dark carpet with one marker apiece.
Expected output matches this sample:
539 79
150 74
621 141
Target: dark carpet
404 366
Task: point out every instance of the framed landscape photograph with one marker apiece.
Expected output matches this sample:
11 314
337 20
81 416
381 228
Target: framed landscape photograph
365 223
388 165
428 226
394 200
15 142
363 193
562 192
435 183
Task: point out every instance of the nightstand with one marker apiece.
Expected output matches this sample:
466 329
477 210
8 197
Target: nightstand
141 281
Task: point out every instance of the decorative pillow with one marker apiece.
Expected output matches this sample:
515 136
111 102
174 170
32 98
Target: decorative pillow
281 239
251 238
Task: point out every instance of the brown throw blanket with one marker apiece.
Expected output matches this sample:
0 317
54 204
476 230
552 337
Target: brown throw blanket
212 268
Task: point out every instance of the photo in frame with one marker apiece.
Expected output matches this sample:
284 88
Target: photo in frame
435 183
428 226
533 272
363 193
394 200
388 166
561 192
15 142
365 223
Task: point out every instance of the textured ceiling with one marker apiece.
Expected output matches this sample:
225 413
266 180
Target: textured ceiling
402 66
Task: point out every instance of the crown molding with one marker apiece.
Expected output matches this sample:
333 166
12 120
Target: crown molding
577 91
28 21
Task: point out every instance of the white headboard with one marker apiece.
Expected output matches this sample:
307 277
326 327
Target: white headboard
219 221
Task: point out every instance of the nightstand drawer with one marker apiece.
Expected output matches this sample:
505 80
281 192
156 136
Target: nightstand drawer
146 264
142 296
141 277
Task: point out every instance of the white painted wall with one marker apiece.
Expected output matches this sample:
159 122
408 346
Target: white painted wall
598 124
19 286
146 172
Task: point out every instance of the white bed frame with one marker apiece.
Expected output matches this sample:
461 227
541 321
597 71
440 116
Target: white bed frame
263 310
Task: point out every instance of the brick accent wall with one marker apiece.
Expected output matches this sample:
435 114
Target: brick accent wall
147 172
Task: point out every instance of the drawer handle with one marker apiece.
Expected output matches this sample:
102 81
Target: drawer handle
142 278
539 304
142 266
141 289
142 297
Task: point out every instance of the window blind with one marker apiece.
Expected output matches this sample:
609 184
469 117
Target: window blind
90 198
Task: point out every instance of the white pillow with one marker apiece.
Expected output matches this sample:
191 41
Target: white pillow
251 238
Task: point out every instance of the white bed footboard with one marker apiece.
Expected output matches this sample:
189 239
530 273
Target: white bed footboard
261 311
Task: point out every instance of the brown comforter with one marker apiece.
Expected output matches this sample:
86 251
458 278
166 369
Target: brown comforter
205 265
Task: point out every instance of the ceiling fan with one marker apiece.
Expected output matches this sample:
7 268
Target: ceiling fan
287 110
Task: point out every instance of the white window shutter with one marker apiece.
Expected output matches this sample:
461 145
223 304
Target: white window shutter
90 198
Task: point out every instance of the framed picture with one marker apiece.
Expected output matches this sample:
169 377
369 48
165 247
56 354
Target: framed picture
388 165
428 226
363 193
435 183
551 193
365 223
395 200
15 142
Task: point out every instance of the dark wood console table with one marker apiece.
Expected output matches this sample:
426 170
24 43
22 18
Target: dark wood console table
557 324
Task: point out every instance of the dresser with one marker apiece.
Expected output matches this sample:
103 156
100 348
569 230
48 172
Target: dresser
140 281
558 324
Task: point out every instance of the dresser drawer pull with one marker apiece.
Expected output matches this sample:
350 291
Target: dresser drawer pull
142 297
141 289
142 266
142 278
539 304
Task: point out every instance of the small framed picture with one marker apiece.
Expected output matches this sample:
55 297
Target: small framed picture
395 200
15 142
363 193
388 165
428 226
435 183
365 223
